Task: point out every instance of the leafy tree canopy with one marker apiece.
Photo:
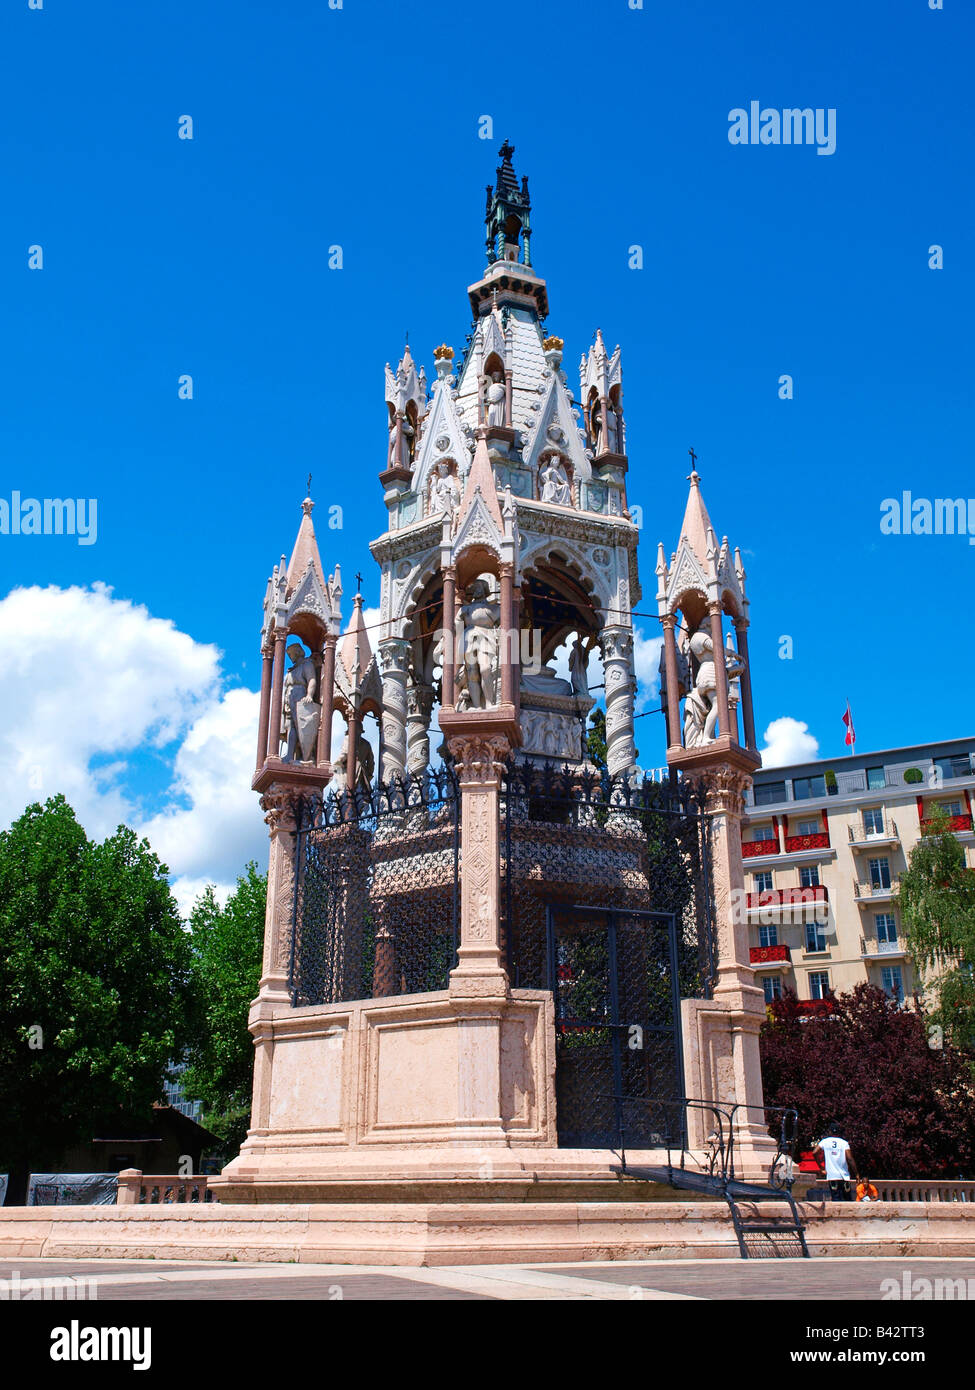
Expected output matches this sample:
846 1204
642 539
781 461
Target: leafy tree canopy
227 951
94 978
906 1109
937 902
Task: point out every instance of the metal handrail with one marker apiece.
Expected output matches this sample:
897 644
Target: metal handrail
722 1148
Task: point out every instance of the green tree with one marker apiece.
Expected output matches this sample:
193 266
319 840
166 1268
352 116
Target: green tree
596 739
94 978
227 951
937 902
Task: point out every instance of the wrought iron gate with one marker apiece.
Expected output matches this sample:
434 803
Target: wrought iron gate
618 1068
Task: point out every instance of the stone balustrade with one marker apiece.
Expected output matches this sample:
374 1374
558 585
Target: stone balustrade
136 1188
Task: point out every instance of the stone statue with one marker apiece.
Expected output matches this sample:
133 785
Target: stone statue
604 430
579 668
365 763
444 491
301 712
495 400
481 619
555 483
544 681
403 459
701 703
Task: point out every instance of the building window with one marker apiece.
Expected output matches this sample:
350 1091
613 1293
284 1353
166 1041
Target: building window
768 793
876 781
886 927
768 936
809 876
763 882
772 986
803 788
819 984
815 938
809 827
950 808
873 821
955 765
892 982
879 873
763 832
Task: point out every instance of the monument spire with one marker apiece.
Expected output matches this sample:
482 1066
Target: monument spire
305 551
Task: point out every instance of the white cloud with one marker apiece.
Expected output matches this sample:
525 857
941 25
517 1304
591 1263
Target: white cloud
788 741
96 698
646 663
219 825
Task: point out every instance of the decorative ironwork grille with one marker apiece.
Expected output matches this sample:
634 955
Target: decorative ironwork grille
607 902
376 900
618 1070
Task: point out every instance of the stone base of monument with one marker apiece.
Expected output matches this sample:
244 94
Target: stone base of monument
439 1097
466 1233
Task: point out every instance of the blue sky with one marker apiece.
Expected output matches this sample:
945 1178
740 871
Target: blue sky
359 127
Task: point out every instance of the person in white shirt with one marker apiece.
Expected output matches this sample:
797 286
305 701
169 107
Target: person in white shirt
834 1154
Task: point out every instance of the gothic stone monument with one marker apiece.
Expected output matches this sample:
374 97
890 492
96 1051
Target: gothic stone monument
493 962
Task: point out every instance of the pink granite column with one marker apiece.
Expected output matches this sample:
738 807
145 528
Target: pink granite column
721 674
510 636
747 709
327 698
670 666
263 720
277 694
479 990
449 655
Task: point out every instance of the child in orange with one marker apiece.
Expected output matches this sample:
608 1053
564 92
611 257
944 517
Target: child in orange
866 1191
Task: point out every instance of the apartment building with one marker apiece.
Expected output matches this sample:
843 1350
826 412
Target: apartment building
824 845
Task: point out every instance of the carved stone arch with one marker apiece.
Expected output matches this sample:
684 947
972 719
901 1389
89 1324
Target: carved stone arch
731 603
693 605
549 547
561 593
412 598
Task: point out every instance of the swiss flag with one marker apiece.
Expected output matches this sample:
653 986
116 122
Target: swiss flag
851 737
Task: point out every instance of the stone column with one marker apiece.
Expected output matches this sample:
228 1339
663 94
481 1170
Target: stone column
419 705
735 1068
278 805
673 695
394 660
277 693
721 675
449 654
507 398
263 721
604 413
747 709
617 648
510 636
327 698
479 983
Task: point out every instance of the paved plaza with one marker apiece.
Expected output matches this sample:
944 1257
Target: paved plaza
662 1280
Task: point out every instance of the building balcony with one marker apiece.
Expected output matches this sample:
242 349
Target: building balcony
788 897
813 1008
961 825
874 892
861 839
756 849
798 844
770 957
875 950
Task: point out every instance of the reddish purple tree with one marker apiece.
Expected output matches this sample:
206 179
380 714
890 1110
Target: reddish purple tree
907 1110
